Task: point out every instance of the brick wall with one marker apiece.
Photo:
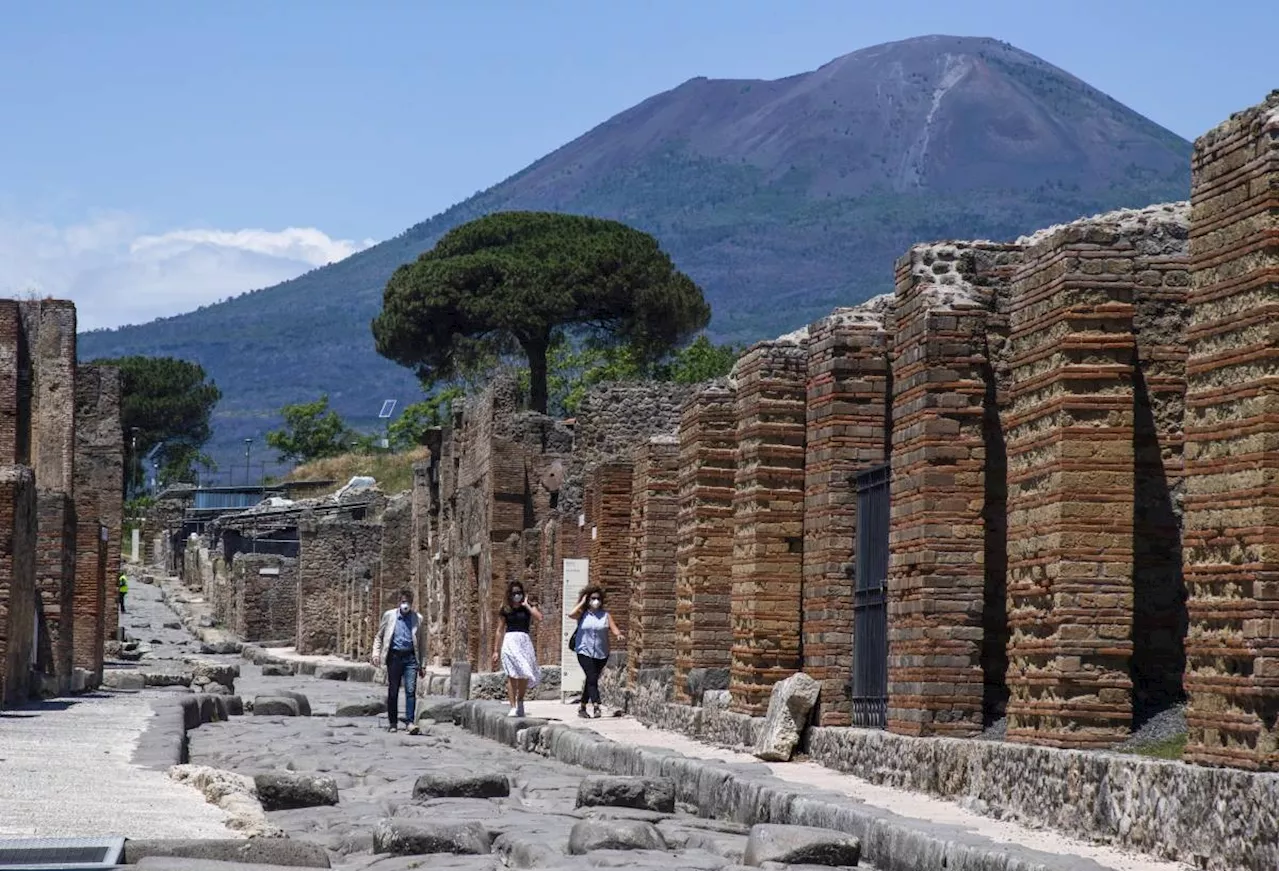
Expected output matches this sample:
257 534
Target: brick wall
847 420
608 498
99 501
50 327
947 487
337 564
704 533
394 572
266 597
17 581
768 521
56 581
1231 518
652 611
10 365
1073 474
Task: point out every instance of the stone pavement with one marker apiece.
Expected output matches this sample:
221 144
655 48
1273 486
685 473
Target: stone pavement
66 765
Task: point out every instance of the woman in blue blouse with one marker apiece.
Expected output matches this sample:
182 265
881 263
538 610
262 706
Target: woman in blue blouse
594 627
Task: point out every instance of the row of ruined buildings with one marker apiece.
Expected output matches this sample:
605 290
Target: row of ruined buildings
61 504
1036 483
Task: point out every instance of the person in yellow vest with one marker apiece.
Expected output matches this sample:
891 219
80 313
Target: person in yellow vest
122 587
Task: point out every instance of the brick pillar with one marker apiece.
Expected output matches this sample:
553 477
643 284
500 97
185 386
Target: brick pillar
704 534
651 633
609 538
768 521
17 581
10 366
1072 473
1230 531
946 575
99 503
848 380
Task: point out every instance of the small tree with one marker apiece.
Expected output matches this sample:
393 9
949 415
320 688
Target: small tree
311 431
417 418
519 280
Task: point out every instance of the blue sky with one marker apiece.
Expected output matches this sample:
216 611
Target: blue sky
216 147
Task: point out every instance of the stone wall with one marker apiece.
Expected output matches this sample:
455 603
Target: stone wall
337 563
99 505
18 592
768 520
704 534
265 591
947 487
1073 432
1231 520
652 608
847 397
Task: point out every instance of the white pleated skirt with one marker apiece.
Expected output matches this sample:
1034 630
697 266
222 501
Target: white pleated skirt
518 658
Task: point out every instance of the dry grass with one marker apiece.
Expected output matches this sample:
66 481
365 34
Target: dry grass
393 472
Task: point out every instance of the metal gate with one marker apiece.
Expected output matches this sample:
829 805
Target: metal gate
870 595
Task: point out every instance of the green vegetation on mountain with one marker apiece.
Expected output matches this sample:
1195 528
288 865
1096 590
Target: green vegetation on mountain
780 199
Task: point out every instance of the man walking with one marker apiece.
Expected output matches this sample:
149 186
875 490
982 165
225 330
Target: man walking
122 587
398 644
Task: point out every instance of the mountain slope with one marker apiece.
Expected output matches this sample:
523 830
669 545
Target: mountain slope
781 198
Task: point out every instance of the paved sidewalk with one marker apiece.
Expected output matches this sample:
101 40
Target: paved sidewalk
627 730
66 771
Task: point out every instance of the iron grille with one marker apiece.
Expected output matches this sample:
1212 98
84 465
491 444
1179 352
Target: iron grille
870 679
62 854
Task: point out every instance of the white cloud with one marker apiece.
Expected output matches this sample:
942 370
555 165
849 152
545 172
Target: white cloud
117 274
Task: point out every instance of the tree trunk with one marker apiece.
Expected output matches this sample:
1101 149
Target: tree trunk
537 354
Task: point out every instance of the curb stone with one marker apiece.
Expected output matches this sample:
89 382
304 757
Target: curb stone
748 794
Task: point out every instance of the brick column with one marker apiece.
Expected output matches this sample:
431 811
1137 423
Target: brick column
17 581
651 633
847 419
704 534
1230 531
609 536
768 521
12 428
1073 473
946 595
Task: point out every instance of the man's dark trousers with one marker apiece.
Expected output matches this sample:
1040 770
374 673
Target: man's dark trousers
401 665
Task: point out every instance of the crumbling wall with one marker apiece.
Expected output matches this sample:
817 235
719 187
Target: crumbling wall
99 506
847 398
266 597
704 533
337 564
652 610
18 592
1231 519
768 520
946 572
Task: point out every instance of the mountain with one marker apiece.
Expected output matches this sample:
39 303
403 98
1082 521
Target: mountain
781 198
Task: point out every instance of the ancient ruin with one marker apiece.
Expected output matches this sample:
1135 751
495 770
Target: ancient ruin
62 474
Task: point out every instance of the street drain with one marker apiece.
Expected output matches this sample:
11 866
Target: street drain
59 854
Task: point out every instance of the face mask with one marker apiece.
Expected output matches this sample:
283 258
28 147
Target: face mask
404 607
517 597
594 603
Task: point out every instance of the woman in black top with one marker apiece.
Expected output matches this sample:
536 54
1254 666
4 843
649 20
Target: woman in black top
514 648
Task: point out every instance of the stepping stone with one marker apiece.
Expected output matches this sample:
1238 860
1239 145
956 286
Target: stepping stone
591 835
800 845
275 706
279 790
646 793
403 838
485 785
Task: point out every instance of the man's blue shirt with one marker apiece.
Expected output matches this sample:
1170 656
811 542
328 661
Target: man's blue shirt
402 635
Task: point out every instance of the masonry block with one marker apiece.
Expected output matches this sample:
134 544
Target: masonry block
17 583
768 521
652 612
265 587
1231 519
608 500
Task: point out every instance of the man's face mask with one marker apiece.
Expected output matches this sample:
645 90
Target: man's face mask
404 607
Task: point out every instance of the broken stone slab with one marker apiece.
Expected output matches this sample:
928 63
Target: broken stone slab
217 689
700 680
401 837
461 785
790 705
204 671
645 793
800 845
287 790
277 669
116 679
361 709
262 851
590 835
221 647
275 706
331 673
519 850
304 705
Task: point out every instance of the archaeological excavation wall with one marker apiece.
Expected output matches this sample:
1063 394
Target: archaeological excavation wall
61 450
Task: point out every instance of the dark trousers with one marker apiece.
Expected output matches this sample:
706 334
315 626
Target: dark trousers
122 603
401 665
591 668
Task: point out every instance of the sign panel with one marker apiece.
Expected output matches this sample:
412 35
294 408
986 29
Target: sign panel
572 679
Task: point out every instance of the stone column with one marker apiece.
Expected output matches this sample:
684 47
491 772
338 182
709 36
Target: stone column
768 521
946 572
651 633
1230 533
704 535
1073 472
847 419
18 592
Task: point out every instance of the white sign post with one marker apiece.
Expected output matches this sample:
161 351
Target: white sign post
572 679
136 541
